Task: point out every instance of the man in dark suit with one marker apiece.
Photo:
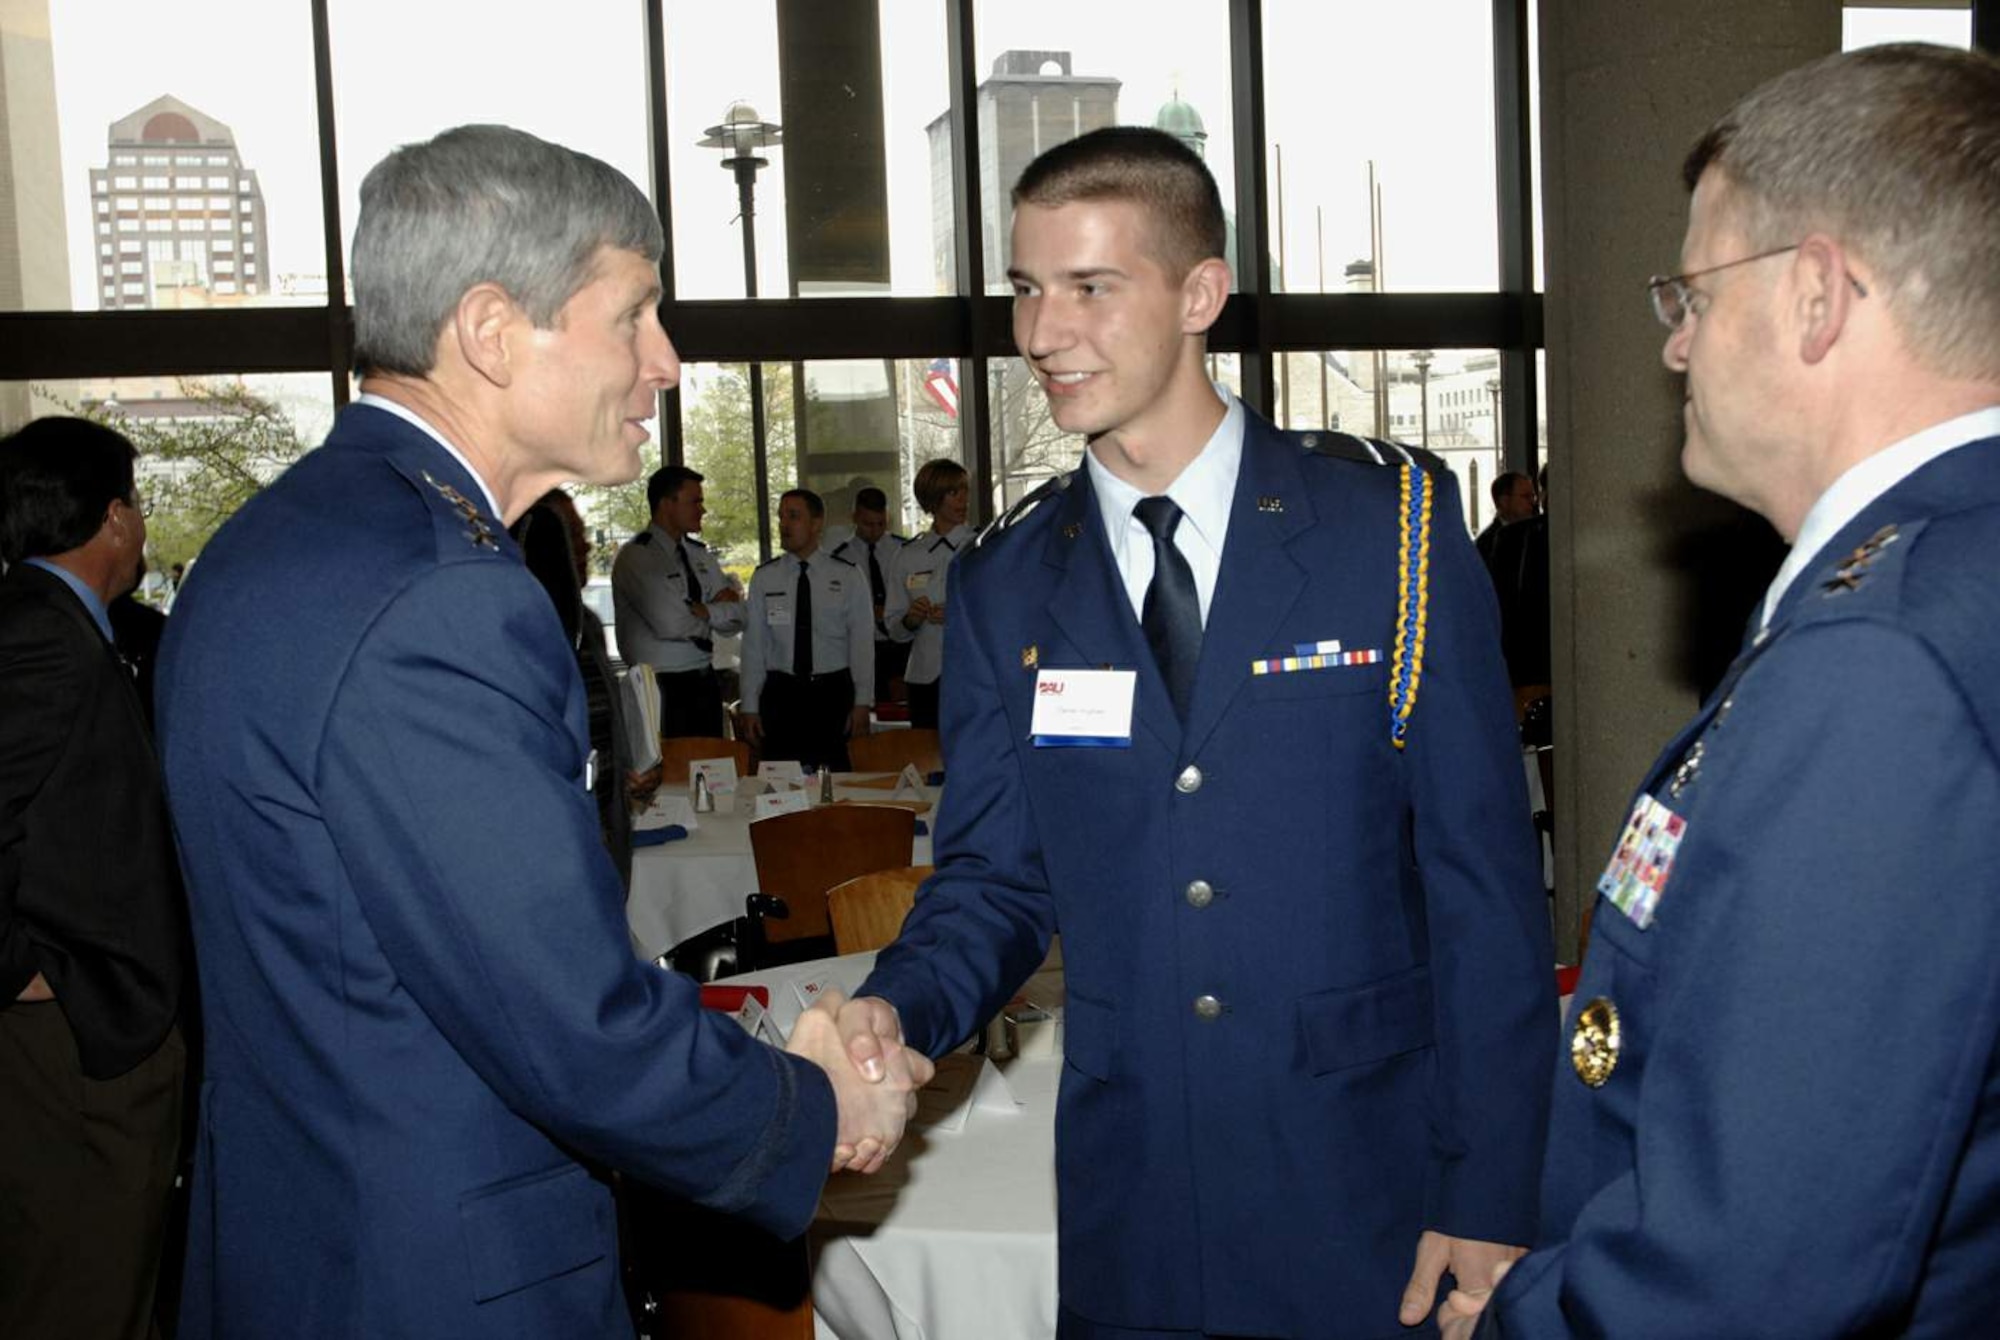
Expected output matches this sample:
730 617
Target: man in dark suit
1513 495
1781 1112
92 928
1308 962
425 1024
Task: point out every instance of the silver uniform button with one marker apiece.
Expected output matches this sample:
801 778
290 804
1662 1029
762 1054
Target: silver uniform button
1207 1008
1200 893
1189 781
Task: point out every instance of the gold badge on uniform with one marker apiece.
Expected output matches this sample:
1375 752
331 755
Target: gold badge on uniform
1593 1047
1031 656
1268 503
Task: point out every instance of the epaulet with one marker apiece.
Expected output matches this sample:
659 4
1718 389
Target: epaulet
1370 450
1049 488
769 561
844 562
693 541
470 521
643 537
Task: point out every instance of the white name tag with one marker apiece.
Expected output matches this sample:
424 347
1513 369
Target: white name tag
777 614
780 802
917 581
1083 709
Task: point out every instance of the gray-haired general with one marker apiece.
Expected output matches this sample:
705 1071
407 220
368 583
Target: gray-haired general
426 1034
1780 1114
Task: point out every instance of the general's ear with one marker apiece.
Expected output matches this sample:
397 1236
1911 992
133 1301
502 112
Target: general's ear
480 327
1826 294
1203 294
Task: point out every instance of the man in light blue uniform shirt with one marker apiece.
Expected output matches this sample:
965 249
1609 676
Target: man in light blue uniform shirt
672 600
808 645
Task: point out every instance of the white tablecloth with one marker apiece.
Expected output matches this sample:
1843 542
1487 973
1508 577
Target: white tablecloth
680 889
955 1239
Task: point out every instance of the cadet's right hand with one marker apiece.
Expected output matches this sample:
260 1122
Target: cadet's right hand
873 1111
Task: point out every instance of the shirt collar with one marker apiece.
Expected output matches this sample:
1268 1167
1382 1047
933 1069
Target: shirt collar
1203 491
1868 480
98 614
410 416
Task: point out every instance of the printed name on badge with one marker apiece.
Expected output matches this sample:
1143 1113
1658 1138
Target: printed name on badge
1083 709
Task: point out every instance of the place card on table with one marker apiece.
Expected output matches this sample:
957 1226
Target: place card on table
780 802
810 990
785 771
667 809
720 772
910 784
963 1082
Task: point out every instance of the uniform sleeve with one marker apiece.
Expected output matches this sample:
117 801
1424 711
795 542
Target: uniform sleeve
40 696
641 592
450 776
982 923
1492 958
725 616
896 595
861 638
1823 1031
755 654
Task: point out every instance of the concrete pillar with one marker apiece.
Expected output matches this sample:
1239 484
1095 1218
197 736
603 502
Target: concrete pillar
1626 89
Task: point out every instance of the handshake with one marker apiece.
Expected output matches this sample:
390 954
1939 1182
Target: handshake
859 1044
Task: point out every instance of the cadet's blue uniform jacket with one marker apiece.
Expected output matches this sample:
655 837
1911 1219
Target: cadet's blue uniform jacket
421 1008
1371 921
1801 1133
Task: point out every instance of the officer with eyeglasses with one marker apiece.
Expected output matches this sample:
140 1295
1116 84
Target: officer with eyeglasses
1779 1112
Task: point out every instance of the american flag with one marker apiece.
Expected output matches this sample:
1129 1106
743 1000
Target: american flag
942 385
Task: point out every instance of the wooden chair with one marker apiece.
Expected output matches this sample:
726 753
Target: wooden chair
801 855
677 751
889 750
868 910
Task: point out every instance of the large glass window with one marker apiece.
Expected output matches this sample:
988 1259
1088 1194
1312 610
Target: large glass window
109 83
1871 25
845 104
575 75
1050 70
1380 118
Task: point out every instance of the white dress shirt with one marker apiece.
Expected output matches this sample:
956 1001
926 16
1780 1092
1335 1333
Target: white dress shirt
1868 480
1203 491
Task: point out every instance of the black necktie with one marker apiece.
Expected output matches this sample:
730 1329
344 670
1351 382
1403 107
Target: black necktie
878 593
1172 612
802 624
693 591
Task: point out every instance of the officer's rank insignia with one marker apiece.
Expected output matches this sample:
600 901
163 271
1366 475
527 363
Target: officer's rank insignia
1031 656
1072 530
1594 1044
1689 769
479 532
1267 503
1853 569
1637 875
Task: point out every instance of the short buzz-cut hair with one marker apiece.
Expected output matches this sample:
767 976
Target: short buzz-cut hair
1895 151
477 205
815 505
1144 167
871 499
934 480
57 475
666 482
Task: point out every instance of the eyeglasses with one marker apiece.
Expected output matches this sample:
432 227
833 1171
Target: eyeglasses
1673 298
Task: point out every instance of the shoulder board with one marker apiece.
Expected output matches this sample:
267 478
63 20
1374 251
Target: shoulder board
769 561
643 537
1050 488
693 542
1371 450
844 562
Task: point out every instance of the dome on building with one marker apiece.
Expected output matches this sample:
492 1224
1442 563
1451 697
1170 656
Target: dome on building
1183 122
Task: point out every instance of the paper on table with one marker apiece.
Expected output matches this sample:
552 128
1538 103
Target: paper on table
641 701
909 784
963 1082
667 809
721 774
780 802
788 771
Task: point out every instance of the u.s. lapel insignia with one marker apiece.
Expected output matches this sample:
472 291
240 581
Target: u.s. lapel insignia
1596 1041
1689 769
1031 656
1072 530
1268 503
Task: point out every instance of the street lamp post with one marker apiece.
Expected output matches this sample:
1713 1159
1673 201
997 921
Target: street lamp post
740 135
1422 358
1493 390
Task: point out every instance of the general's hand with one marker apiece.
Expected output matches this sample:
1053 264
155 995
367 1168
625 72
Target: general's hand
857 720
752 728
1474 1264
1459 1317
36 989
872 1113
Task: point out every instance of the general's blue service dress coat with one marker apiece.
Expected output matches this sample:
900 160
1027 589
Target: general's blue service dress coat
1369 922
1799 1131
425 1025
